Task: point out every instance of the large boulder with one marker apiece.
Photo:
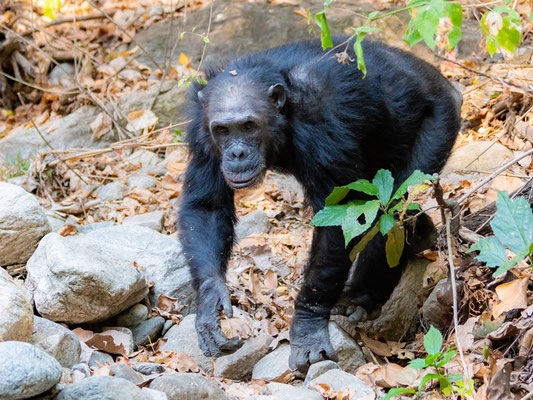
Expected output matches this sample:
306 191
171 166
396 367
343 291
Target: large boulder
22 224
108 274
26 371
16 312
477 157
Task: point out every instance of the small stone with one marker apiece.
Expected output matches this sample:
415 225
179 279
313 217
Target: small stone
317 369
148 331
126 372
348 351
239 365
144 158
99 357
100 388
112 191
82 368
152 220
142 181
26 370
156 170
133 316
16 312
148 368
256 222
339 380
167 326
56 340
63 75
179 386
283 391
274 365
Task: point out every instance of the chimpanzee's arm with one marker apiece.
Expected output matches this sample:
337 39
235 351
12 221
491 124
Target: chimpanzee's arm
206 219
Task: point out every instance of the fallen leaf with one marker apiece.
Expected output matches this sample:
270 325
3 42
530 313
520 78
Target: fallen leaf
511 295
271 279
236 327
101 125
183 60
379 348
111 341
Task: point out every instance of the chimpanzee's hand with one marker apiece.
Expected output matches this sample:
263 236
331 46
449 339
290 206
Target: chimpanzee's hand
309 341
213 297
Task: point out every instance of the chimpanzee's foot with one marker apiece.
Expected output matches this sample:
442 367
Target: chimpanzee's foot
309 342
357 307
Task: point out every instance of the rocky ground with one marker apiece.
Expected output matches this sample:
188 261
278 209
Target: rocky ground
96 298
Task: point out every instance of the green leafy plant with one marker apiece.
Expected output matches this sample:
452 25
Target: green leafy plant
501 28
51 6
18 167
397 391
358 217
513 229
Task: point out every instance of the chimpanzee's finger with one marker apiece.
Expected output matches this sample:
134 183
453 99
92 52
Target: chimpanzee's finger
226 304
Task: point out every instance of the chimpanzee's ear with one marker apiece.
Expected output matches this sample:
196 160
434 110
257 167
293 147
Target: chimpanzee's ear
277 93
201 97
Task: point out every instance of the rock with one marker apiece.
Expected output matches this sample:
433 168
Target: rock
182 337
126 372
274 365
83 369
56 340
55 222
16 312
144 158
99 357
152 220
255 222
339 380
148 331
142 181
398 317
239 365
283 391
148 368
133 317
100 282
63 75
437 309
167 326
178 386
317 369
155 394
86 289
69 132
22 224
477 156
102 388
26 370
348 351
112 191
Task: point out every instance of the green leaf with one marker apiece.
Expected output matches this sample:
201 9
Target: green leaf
325 36
373 15
386 222
338 193
490 250
426 379
455 378
384 182
364 186
412 36
50 6
416 178
446 358
396 392
414 206
364 241
351 227
418 363
445 385
206 39
330 216
513 261
501 27
433 341
395 244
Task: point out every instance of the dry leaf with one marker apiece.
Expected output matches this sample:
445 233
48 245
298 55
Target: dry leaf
141 120
112 342
379 348
183 60
511 295
101 125
68 230
271 279
236 327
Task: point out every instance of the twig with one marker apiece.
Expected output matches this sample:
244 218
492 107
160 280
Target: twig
46 141
22 82
206 35
66 20
450 205
493 175
454 296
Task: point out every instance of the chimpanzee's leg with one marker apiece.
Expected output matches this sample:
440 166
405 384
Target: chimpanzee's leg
324 281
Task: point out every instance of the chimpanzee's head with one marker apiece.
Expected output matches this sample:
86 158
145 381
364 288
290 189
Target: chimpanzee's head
242 114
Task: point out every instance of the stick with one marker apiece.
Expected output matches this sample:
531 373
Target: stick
66 20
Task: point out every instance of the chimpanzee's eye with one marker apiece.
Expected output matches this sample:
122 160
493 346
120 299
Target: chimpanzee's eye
220 130
248 126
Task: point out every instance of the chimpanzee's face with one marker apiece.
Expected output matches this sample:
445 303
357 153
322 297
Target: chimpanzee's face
242 122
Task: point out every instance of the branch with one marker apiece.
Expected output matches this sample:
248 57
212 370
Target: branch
66 20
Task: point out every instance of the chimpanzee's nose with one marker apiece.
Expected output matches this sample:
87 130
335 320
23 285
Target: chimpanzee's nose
239 152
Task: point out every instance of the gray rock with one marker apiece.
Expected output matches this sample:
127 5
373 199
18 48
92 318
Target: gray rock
239 365
156 170
255 222
274 365
317 369
437 309
72 131
148 368
339 380
26 370
63 75
102 388
179 386
167 326
99 357
16 312
133 317
142 181
82 368
155 394
22 224
283 391
56 340
148 331
112 191
95 226
152 220
144 158
183 338
348 351
126 372
477 156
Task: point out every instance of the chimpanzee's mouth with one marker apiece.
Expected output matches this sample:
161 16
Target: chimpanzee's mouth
243 182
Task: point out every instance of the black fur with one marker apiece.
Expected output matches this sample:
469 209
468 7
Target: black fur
334 128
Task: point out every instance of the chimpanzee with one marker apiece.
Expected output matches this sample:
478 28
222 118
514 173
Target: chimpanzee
297 110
